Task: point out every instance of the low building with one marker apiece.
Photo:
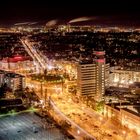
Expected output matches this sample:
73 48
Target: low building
135 87
128 115
14 81
123 77
15 63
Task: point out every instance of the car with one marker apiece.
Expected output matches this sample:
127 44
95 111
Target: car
19 131
96 126
35 131
109 135
114 132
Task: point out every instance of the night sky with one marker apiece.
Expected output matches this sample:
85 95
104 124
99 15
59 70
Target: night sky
113 12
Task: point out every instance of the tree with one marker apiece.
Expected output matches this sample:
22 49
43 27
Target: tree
100 106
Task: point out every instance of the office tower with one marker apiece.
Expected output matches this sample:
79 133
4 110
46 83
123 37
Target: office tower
92 77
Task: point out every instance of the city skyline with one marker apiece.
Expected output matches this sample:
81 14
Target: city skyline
69 70
104 13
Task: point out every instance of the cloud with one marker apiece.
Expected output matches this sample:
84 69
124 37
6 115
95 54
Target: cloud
51 23
80 19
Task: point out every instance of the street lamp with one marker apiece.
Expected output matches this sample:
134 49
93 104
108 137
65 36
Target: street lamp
41 84
62 84
124 134
101 118
45 96
78 132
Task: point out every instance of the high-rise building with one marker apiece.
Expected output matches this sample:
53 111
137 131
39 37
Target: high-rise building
92 77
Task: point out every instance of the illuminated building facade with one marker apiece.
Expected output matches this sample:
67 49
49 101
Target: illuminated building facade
124 115
124 77
14 81
16 63
93 76
86 79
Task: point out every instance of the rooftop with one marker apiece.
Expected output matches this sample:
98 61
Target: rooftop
131 108
13 75
136 69
132 112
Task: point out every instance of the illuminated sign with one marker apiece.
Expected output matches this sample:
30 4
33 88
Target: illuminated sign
100 60
18 58
100 53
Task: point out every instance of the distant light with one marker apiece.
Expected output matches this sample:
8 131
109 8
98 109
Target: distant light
78 132
122 81
124 132
83 107
69 100
50 67
41 101
116 80
60 67
101 118
130 82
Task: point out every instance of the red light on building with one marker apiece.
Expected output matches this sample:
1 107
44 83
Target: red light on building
100 60
100 53
18 58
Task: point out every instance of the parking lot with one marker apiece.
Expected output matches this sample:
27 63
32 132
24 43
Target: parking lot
28 126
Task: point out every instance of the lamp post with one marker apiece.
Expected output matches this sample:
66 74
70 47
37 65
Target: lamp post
45 96
41 84
62 84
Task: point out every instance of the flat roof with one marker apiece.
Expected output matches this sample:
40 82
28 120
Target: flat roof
135 69
86 62
132 112
128 104
124 106
13 75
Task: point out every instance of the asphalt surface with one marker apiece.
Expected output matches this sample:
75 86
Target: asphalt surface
28 126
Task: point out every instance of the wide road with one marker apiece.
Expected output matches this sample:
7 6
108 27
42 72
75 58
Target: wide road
34 53
79 131
91 121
